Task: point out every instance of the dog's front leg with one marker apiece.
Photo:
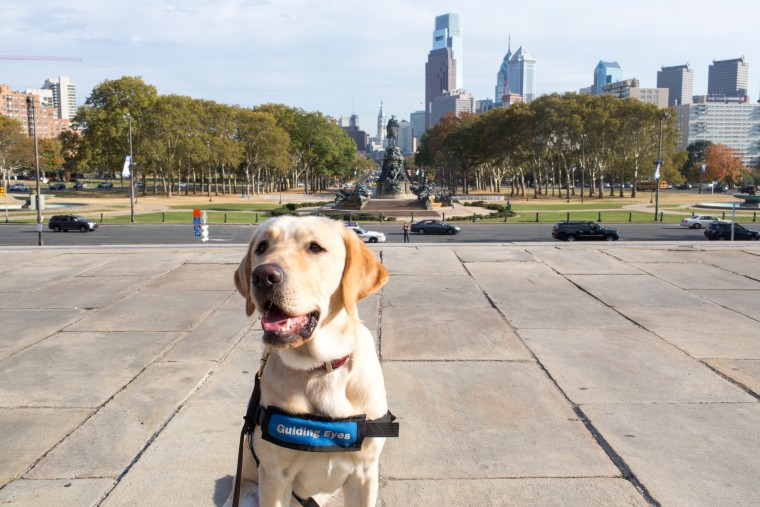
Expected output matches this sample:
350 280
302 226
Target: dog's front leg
361 487
274 489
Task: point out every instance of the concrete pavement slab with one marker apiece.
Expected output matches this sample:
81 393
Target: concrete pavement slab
196 277
725 334
485 420
24 327
625 365
653 253
192 462
594 492
86 292
106 444
34 278
699 276
636 290
735 261
557 309
154 310
145 264
579 262
739 301
501 279
61 493
493 253
448 291
28 433
13 259
745 372
232 381
687 454
231 255
421 261
214 336
59 372
451 334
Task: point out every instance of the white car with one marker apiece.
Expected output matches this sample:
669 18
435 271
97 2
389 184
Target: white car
698 221
365 235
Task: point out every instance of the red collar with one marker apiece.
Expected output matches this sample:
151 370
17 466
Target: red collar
335 364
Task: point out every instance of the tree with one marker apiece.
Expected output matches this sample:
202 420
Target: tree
105 130
265 147
723 165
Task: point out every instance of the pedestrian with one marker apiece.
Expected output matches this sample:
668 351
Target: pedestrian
406 232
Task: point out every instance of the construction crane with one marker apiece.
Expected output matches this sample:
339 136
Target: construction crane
40 58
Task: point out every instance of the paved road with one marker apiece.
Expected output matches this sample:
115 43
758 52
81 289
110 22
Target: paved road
174 234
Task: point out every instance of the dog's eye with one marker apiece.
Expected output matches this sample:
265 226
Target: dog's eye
315 248
262 247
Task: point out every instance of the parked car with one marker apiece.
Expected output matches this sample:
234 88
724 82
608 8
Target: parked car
722 231
105 184
720 188
698 221
581 231
57 186
19 187
80 185
748 189
683 186
434 227
71 223
365 235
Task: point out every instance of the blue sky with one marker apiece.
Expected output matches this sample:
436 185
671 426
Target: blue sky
340 57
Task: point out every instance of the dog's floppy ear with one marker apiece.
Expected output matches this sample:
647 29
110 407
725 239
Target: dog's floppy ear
243 281
363 273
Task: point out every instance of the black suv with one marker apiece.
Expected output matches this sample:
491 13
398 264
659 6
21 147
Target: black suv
722 231
71 223
571 231
748 189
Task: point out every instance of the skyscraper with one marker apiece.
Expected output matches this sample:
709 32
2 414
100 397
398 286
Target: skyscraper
679 80
606 73
443 70
728 78
502 77
448 35
417 119
64 95
522 75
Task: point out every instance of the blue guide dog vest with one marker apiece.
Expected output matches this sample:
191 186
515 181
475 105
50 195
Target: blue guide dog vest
312 433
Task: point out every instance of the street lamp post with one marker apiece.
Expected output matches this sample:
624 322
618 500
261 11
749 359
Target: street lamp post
583 165
131 174
33 128
663 116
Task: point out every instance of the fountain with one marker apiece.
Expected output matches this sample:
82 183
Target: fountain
393 182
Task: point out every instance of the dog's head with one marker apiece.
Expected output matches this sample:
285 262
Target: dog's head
300 273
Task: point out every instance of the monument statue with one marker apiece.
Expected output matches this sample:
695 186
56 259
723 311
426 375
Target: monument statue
393 181
392 131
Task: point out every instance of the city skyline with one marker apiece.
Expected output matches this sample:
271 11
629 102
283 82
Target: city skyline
342 59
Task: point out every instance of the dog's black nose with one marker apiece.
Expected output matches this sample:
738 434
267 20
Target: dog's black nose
266 275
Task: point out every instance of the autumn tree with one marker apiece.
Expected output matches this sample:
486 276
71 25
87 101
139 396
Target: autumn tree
723 165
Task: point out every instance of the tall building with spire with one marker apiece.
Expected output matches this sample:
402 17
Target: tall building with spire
502 77
444 68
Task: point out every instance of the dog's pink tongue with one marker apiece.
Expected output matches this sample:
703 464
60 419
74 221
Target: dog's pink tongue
277 322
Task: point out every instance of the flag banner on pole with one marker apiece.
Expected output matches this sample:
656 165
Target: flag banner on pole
704 167
127 162
657 172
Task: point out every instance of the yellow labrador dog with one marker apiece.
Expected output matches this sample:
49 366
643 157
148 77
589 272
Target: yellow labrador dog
305 276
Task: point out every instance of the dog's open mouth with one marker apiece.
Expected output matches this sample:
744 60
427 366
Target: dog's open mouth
283 329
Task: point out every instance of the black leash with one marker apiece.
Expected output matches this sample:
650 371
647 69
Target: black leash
249 424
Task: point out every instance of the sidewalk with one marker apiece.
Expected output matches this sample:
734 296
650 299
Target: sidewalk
537 374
